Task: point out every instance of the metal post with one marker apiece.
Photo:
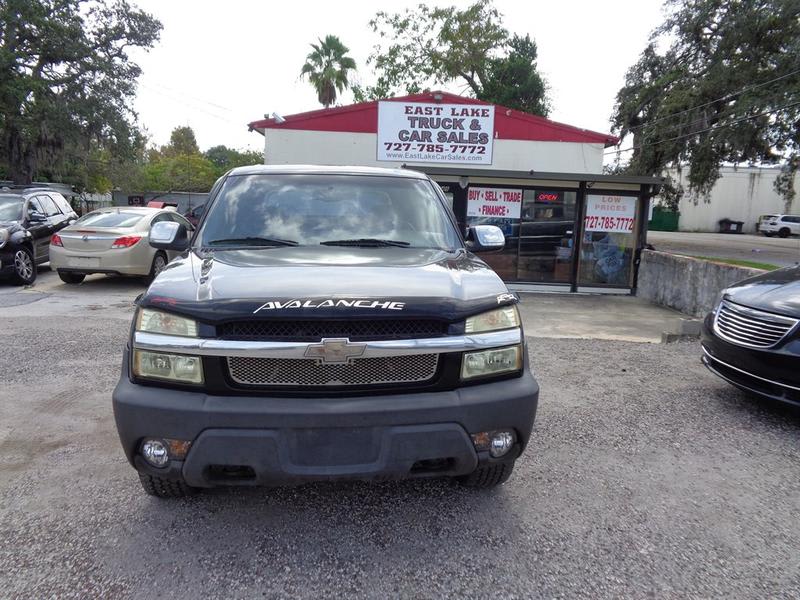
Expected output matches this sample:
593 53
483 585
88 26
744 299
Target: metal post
577 235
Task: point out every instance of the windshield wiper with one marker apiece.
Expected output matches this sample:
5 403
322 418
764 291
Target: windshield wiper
366 243
253 241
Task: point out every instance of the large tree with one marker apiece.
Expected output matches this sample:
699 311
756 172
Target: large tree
66 81
224 158
719 83
430 46
328 69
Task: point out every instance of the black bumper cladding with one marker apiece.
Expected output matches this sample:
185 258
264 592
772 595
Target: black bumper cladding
249 440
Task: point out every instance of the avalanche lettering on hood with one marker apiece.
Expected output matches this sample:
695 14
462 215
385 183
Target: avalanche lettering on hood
276 304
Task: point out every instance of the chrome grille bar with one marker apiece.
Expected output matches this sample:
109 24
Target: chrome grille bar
750 327
214 347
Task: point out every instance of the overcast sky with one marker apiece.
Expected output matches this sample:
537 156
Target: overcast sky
220 65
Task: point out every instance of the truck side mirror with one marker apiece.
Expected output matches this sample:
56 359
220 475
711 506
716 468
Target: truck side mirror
485 238
168 235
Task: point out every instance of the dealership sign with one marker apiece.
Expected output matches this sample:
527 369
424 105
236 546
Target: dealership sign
501 203
442 133
615 214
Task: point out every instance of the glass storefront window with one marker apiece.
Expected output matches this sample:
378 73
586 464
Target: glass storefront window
546 236
609 240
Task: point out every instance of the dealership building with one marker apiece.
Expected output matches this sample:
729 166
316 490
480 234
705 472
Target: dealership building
567 225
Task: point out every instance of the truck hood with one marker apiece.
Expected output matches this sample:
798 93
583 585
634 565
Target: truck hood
327 282
776 291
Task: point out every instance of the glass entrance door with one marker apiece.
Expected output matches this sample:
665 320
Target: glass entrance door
546 236
609 240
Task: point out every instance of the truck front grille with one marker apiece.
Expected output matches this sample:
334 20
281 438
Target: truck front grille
304 372
750 327
314 330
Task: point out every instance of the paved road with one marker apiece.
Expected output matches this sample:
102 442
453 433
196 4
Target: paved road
758 248
646 477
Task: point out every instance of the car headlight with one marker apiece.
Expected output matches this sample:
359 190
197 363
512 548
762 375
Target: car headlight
3 236
156 321
167 367
499 318
491 362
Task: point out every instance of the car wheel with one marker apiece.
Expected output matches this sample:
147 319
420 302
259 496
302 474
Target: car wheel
24 266
165 488
488 476
159 262
768 233
785 232
71 277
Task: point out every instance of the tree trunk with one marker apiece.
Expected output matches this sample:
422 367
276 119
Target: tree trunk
20 157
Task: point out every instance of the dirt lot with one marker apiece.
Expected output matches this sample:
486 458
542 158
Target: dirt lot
646 477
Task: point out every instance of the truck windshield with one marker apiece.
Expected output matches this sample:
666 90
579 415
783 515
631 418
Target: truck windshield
333 210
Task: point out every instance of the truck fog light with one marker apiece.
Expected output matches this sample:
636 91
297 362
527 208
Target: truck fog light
155 453
502 442
498 443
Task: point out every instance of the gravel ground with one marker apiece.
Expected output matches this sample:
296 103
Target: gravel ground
646 477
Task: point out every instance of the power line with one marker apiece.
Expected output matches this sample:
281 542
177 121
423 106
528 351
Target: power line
722 99
713 128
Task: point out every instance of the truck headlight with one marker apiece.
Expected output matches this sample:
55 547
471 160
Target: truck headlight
3 236
168 367
491 362
499 318
156 321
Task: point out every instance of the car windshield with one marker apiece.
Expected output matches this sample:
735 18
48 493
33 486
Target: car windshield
314 209
10 208
119 218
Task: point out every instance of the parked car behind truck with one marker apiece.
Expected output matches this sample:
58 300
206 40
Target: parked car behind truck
324 323
781 225
112 241
28 218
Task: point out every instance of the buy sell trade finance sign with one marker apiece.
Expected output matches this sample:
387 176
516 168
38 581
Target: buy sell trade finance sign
442 133
500 203
610 213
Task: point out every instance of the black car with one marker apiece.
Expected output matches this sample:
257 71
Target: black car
752 339
324 323
28 218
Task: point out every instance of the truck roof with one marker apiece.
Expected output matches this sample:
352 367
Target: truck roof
326 170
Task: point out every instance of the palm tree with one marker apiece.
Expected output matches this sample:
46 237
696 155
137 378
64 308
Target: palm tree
327 68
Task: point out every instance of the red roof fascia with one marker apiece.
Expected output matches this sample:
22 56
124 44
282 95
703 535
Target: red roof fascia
509 124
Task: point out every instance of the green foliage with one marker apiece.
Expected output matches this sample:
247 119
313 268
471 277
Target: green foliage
429 46
328 69
179 172
513 80
66 82
181 141
224 158
724 89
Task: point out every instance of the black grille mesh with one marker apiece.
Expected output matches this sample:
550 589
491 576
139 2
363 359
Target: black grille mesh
315 330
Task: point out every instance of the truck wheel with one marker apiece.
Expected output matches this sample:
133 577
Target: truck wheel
784 233
71 277
165 488
488 476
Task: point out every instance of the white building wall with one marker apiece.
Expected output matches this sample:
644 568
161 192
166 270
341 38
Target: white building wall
293 146
741 194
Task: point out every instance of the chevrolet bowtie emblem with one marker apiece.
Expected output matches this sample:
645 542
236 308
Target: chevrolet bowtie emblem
335 351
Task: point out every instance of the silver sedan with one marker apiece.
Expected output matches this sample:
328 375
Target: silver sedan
114 241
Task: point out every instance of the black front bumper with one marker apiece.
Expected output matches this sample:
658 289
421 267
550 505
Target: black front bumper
772 373
263 440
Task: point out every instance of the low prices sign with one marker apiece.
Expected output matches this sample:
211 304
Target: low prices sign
610 213
501 203
443 133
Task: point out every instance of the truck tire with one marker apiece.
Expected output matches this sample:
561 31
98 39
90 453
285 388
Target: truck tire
488 476
165 488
